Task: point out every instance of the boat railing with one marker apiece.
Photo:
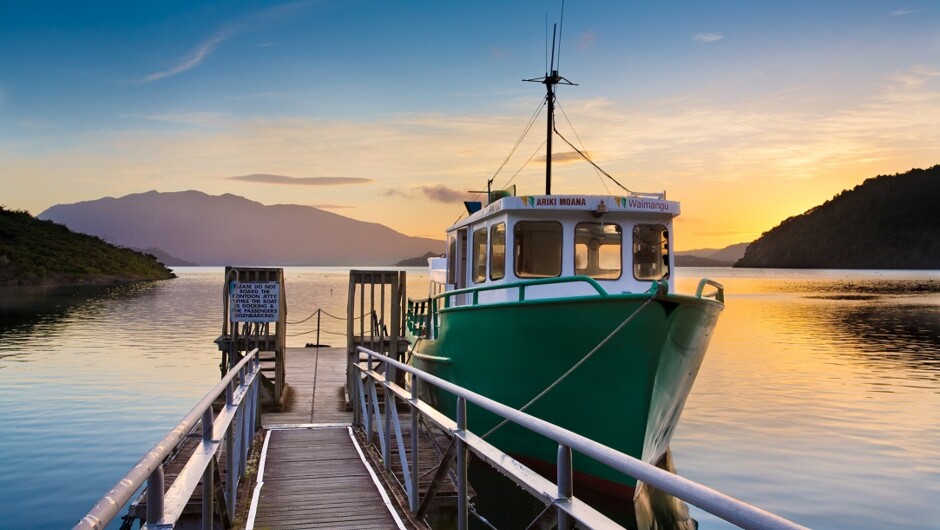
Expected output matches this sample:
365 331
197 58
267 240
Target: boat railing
558 497
423 318
520 286
718 294
234 427
418 319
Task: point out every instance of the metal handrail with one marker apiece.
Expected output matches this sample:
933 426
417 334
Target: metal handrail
150 468
521 285
728 508
719 293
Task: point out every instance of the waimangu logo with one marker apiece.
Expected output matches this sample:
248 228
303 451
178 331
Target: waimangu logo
528 201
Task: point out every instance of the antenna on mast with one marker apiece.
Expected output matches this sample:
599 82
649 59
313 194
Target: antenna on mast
551 79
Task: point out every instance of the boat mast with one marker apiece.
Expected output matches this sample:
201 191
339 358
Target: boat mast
550 80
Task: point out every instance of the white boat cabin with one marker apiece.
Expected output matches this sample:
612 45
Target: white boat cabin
624 243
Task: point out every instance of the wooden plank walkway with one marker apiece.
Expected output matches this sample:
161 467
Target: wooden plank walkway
315 478
316 378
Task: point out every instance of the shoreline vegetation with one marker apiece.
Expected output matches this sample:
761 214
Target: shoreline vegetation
36 252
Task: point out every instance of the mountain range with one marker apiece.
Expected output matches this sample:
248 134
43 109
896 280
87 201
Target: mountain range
711 257
229 230
887 222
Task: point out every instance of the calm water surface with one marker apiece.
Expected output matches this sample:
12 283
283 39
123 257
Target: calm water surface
819 398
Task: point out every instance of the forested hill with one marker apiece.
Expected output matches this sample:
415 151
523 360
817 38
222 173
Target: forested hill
887 222
43 252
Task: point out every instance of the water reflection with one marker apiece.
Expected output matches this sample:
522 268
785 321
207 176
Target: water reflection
819 398
888 337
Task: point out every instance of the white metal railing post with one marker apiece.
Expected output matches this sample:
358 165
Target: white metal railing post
367 403
231 470
208 476
355 380
256 401
389 402
565 483
462 507
231 460
155 497
414 498
244 433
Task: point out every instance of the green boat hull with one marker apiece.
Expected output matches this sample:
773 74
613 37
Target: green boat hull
628 395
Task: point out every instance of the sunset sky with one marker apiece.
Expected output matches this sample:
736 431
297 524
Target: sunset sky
746 112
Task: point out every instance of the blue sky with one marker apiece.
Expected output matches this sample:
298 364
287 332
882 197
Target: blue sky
404 106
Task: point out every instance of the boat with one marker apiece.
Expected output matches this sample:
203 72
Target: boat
565 306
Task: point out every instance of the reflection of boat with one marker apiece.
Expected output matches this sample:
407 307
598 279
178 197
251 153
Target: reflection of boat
571 294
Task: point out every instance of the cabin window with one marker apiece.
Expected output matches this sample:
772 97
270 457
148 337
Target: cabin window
498 251
537 249
650 252
451 259
597 250
479 255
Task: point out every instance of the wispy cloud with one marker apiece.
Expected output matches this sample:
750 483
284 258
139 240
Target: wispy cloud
301 181
332 206
200 119
437 193
586 41
708 38
907 11
565 157
36 124
267 44
442 193
194 57
205 48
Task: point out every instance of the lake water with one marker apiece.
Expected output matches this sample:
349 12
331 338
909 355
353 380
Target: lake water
819 398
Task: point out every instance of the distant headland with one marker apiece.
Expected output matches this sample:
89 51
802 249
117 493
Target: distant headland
887 222
35 252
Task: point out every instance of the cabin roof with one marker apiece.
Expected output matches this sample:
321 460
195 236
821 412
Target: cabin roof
642 204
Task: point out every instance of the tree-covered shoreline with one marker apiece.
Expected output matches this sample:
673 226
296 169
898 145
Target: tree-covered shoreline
887 222
35 252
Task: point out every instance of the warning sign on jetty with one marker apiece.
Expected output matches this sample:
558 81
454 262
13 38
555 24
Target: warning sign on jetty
255 301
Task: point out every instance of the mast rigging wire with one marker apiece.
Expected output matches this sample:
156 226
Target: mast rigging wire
581 143
537 149
525 132
528 126
584 156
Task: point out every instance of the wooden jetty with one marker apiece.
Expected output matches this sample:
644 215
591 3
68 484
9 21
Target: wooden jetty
385 460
